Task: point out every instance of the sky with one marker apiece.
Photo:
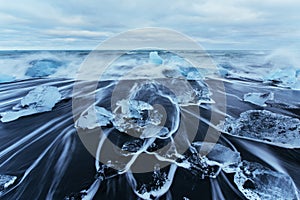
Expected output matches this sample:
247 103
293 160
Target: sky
214 24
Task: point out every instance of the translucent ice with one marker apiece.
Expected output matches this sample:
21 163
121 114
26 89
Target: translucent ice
41 99
42 68
139 118
220 155
265 126
286 77
205 159
6 78
6 181
94 117
154 58
258 182
259 98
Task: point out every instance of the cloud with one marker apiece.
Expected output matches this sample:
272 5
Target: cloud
219 24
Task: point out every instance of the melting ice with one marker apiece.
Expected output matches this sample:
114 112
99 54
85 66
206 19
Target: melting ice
260 183
41 99
265 126
259 98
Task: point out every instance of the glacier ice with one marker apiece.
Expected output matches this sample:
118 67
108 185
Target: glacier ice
40 99
43 68
154 58
206 158
94 117
258 182
138 118
220 155
6 181
285 77
265 126
259 98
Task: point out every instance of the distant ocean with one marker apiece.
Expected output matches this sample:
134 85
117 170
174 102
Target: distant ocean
256 121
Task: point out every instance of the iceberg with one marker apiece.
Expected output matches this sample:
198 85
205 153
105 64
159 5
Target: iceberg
43 68
155 59
94 117
6 181
259 98
41 99
265 126
258 182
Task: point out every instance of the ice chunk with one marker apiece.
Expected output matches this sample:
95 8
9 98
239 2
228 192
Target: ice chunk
41 99
199 166
94 117
6 181
286 77
258 182
138 118
6 78
206 159
220 155
154 58
265 126
259 98
42 68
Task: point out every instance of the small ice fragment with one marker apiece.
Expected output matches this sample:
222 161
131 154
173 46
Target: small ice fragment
41 99
6 181
258 182
94 117
265 126
259 98
154 58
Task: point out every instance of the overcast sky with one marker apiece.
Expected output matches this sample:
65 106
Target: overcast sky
215 24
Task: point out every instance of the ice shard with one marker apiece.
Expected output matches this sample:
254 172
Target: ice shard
265 126
41 99
259 98
257 182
